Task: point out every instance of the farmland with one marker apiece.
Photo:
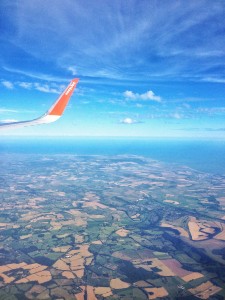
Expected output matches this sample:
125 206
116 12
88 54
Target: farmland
101 227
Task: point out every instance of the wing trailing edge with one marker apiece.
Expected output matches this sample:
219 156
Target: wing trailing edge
53 114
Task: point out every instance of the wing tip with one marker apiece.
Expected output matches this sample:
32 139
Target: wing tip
59 106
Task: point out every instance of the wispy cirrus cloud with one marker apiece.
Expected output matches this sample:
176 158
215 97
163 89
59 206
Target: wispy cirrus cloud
5 110
148 96
34 74
128 48
214 79
120 34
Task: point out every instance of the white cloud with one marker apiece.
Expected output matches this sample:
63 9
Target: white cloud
8 84
46 88
73 70
214 79
42 87
129 121
25 85
176 116
129 94
149 95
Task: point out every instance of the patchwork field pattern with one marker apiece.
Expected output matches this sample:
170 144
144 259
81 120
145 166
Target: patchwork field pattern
109 227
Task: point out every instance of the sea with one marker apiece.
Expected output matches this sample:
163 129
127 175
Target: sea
202 155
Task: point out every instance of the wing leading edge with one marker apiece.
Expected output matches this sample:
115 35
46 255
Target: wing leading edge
53 114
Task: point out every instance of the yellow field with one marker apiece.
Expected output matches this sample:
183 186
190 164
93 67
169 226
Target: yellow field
80 296
192 276
61 249
122 232
155 262
136 216
68 274
37 273
205 290
40 277
182 231
118 284
61 265
75 261
79 238
95 205
61 236
103 291
90 293
23 237
200 229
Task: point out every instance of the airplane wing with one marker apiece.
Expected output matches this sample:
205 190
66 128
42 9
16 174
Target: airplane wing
53 114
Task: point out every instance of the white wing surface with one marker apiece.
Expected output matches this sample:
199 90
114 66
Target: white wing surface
53 114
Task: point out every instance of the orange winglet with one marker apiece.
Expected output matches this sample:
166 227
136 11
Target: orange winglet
58 108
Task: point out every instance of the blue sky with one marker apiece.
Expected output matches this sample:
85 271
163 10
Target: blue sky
151 68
